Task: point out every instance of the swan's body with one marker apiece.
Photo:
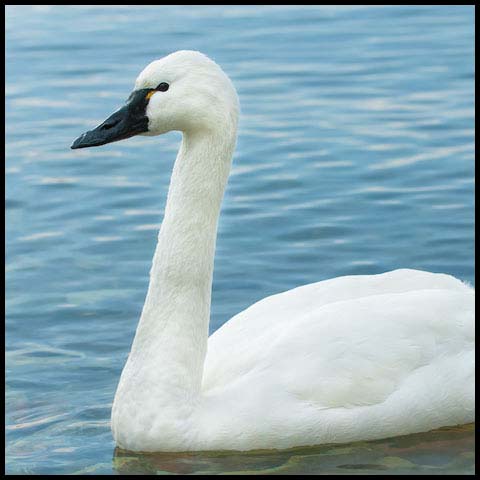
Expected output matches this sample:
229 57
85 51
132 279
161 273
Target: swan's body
351 358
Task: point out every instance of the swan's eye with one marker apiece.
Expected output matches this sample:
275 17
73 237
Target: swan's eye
162 87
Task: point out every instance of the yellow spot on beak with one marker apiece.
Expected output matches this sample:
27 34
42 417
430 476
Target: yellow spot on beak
149 94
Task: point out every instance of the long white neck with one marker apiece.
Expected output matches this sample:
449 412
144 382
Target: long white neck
168 352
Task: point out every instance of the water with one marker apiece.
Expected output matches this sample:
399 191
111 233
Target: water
355 156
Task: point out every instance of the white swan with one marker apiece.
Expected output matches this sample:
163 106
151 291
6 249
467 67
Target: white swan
351 358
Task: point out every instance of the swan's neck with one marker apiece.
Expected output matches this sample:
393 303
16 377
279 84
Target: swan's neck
170 344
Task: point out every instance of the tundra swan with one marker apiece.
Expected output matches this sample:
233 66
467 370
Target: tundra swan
346 359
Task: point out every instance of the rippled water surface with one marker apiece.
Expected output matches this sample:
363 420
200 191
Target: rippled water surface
355 156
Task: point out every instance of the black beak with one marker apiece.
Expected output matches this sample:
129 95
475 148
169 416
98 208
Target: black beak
130 120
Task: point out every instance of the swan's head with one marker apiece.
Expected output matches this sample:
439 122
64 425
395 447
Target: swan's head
183 91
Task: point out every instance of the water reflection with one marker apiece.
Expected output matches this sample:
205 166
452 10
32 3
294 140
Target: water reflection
440 452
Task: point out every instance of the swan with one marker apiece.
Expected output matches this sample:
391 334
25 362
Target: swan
351 358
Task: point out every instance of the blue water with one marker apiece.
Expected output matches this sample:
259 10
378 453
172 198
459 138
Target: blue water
355 156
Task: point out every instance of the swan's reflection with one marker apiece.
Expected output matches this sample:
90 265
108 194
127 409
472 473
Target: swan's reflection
449 450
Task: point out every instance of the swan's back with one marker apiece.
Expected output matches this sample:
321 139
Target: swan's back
323 351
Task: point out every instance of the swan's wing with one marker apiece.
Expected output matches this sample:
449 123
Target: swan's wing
362 350
348 352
